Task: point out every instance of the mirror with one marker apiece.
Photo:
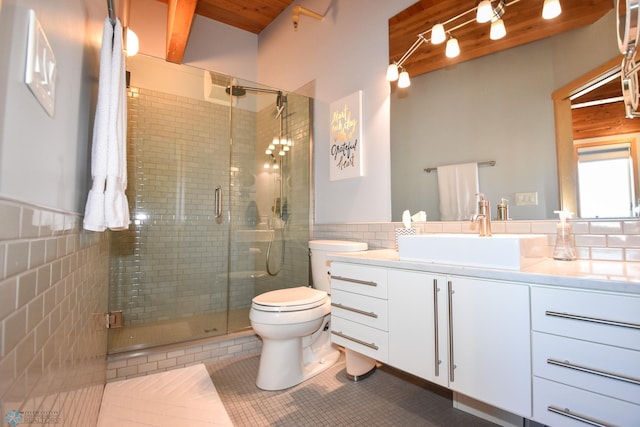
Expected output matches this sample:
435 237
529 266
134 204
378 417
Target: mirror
494 108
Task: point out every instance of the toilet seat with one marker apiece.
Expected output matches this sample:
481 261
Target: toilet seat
290 299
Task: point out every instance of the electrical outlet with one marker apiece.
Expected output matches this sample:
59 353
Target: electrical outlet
527 199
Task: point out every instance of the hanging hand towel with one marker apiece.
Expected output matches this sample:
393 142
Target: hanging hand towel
458 185
107 205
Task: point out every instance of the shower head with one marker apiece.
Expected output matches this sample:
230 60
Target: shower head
236 90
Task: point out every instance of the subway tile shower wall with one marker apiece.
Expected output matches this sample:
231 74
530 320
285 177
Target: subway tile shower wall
53 287
598 240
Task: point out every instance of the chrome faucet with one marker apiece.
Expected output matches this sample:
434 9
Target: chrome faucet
483 216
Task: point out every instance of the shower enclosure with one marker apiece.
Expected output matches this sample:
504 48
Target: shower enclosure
219 193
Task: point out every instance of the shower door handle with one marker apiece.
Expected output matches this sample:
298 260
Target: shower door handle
218 202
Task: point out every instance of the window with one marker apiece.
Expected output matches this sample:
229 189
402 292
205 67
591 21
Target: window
606 180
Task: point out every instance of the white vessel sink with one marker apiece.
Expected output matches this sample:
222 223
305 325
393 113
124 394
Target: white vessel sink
505 251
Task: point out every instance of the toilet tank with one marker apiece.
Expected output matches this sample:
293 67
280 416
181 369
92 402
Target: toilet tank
319 249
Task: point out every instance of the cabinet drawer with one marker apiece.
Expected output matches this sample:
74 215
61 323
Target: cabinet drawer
559 405
600 317
359 279
362 339
608 370
368 311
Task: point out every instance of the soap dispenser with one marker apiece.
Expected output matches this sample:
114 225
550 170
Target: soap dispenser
503 210
564 250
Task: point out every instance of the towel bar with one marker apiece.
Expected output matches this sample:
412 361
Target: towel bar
487 163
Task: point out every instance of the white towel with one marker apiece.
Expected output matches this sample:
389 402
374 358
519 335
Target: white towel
458 186
107 205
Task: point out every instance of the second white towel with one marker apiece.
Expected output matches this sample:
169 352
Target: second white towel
458 186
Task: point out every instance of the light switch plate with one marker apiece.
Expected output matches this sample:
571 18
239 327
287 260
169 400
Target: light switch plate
41 69
524 199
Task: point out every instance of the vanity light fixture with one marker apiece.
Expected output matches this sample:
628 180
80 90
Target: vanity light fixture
498 30
453 48
437 34
485 11
403 80
551 9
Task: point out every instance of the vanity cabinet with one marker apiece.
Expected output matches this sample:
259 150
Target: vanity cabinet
471 335
490 349
418 324
586 357
359 315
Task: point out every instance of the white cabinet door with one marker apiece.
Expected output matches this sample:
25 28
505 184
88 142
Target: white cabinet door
418 337
491 348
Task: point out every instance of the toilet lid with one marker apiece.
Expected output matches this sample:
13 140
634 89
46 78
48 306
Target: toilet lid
291 299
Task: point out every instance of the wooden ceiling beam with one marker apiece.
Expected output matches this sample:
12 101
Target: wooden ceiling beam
179 19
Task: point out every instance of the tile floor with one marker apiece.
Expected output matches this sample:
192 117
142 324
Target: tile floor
386 398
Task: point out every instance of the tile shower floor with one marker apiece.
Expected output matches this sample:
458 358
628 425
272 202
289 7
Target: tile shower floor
387 398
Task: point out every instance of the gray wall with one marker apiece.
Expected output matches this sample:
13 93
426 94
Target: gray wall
53 276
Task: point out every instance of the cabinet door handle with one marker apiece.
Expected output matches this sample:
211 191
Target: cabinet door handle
356 340
450 310
578 417
435 327
599 372
355 310
360 282
592 319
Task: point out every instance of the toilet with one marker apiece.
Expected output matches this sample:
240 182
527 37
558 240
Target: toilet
294 323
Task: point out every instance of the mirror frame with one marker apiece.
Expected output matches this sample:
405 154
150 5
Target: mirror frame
565 152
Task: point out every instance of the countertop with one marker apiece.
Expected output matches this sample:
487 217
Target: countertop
610 276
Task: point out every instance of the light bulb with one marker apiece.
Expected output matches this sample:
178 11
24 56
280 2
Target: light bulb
285 148
404 80
484 12
392 73
266 165
271 147
267 151
133 44
437 34
275 141
281 153
551 9
498 30
453 48
275 166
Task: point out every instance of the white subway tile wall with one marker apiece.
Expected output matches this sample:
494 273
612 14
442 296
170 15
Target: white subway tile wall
605 240
53 289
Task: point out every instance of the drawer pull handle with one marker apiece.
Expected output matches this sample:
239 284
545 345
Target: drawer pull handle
594 371
356 340
593 319
574 416
360 282
355 310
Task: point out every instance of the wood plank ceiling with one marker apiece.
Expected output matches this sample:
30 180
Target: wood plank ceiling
522 20
249 15
524 24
